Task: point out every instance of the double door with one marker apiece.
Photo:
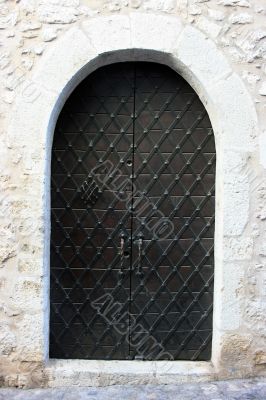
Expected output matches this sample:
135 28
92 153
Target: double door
132 211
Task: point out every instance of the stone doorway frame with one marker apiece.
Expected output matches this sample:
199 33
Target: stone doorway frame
165 40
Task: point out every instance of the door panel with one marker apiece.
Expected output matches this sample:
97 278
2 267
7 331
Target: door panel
132 210
173 173
95 126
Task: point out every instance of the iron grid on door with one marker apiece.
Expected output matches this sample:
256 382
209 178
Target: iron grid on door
133 153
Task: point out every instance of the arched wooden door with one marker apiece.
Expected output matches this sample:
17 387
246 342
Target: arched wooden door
132 214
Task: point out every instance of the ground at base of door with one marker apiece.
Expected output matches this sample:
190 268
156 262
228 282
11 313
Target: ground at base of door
251 389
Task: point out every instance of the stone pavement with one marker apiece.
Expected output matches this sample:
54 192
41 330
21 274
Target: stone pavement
252 389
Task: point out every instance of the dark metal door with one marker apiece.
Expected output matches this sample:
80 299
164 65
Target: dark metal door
133 174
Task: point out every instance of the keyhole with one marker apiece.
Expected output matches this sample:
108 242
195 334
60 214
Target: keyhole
126 254
129 163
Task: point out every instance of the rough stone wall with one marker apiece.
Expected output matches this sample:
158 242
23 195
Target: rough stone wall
27 29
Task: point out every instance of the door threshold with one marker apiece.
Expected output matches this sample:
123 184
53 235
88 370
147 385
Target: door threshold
118 372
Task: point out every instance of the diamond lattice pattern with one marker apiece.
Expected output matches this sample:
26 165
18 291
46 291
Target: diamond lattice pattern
145 238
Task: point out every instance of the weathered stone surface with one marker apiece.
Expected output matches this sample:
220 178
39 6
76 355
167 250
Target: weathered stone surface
77 58
28 6
8 20
231 293
54 13
200 54
253 45
255 314
30 339
241 18
216 15
6 251
236 191
238 390
8 244
251 78
109 36
141 23
27 294
210 28
194 10
159 5
114 5
30 26
235 348
261 197
239 132
262 90
27 265
239 3
49 34
235 162
38 50
7 340
260 357
237 249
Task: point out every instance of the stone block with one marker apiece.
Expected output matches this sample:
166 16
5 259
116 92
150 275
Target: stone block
236 204
238 119
28 294
108 33
211 29
260 357
7 340
157 33
31 338
235 349
229 316
61 62
202 56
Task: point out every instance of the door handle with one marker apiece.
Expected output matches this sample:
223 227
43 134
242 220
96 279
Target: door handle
139 265
122 244
123 238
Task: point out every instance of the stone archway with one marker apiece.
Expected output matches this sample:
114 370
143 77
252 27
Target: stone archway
105 40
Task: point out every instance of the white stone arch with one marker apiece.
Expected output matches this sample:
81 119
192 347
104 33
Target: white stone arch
163 39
